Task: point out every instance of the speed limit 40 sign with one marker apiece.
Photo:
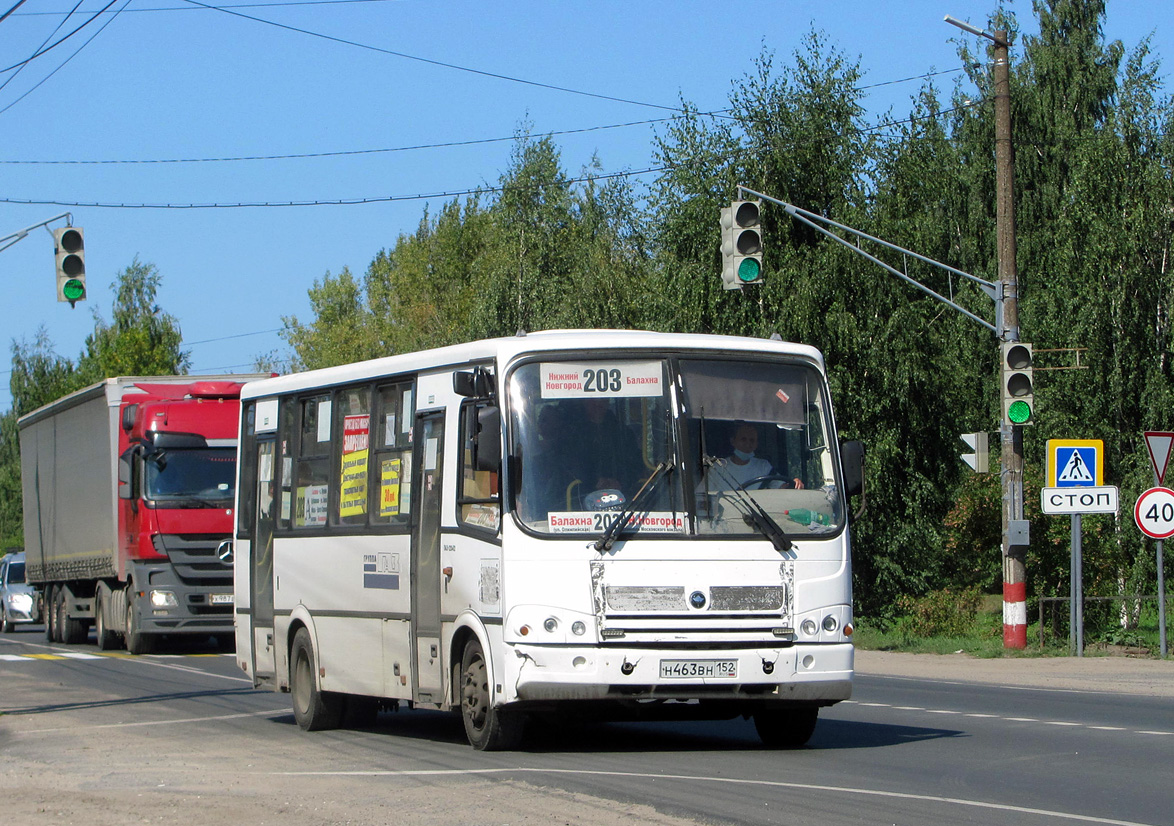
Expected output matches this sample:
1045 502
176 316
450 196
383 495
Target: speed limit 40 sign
1154 513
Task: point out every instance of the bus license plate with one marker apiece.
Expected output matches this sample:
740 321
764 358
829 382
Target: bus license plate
222 599
693 669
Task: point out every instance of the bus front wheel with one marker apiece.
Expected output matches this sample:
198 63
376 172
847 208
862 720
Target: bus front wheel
488 728
314 710
785 728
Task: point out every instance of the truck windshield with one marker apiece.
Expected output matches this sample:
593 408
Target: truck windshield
586 435
199 475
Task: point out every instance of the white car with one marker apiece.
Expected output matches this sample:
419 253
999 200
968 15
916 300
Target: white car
18 599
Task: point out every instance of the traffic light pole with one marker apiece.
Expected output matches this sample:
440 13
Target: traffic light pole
8 240
1015 533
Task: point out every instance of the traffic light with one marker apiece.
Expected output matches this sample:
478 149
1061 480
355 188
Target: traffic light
70 248
741 244
1018 398
979 460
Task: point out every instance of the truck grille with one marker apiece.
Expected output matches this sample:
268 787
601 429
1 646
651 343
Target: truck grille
194 557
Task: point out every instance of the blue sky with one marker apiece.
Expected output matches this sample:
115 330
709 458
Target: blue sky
169 79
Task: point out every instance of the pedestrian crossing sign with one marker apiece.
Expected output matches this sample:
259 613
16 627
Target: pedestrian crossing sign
1076 463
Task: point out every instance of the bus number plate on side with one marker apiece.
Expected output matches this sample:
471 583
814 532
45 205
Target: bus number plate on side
693 669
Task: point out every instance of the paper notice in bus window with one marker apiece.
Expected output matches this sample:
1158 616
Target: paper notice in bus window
311 506
602 379
389 487
324 421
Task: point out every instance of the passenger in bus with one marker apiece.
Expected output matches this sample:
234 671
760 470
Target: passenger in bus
609 453
742 466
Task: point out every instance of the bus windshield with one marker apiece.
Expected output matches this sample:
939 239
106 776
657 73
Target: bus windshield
201 477
739 437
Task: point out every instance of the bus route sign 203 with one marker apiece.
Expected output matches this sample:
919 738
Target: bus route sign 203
1154 513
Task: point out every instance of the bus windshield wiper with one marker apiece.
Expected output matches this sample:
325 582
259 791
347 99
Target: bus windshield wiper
613 530
753 514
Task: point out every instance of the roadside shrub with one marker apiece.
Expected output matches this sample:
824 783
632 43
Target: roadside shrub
946 613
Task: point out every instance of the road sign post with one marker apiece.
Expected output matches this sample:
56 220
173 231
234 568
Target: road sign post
1154 514
1076 486
1158 443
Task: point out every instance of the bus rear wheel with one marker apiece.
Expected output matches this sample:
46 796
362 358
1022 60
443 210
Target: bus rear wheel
488 728
314 710
785 728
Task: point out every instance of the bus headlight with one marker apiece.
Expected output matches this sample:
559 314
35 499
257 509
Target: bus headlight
809 627
551 625
830 623
578 628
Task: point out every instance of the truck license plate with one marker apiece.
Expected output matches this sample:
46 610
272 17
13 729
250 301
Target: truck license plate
222 599
693 669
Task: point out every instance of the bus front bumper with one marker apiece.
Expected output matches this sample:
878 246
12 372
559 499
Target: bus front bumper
806 674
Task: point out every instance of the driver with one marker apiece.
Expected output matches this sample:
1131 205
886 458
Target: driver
743 466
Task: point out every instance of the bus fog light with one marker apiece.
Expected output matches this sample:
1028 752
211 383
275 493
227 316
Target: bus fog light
551 625
809 627
579 662
163 599
808 661
830 623
578 628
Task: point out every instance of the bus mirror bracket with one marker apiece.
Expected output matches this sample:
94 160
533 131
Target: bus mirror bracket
474 384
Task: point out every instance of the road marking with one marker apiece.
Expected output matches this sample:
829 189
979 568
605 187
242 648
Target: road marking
779 784
141 723
1064 723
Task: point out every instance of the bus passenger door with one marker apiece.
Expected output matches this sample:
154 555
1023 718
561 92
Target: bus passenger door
261 561
428 463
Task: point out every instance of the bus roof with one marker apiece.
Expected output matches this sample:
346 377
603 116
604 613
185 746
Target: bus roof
502 350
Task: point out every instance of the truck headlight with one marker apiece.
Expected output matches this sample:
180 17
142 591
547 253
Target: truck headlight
163 599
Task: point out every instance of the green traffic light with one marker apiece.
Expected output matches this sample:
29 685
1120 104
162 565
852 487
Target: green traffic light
1019 412
73 290
749 270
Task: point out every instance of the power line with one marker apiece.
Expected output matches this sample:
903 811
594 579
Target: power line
63 64
446 194
228 6
45 49
430 61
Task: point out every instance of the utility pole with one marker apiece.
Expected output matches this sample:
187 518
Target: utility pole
1015 534
1015 537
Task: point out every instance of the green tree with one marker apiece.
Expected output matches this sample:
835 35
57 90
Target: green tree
141 339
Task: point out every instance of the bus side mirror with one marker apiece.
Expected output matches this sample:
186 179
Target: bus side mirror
475 384
852 465
487 439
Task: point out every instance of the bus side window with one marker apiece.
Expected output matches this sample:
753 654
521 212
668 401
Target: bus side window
312 474
248 473
479 497
391 467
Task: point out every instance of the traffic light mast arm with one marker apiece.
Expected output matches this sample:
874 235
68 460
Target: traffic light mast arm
8 240
993 290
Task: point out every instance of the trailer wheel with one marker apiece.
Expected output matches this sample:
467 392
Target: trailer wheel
136 641
785 728
488 728
313 709
106 638
50 603
71 630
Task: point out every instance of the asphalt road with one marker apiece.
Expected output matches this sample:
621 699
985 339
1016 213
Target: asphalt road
98 739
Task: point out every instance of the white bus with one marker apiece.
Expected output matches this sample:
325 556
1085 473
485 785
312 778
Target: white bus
547 524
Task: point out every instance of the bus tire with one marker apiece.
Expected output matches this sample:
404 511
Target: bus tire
785 728
488 728
313 709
